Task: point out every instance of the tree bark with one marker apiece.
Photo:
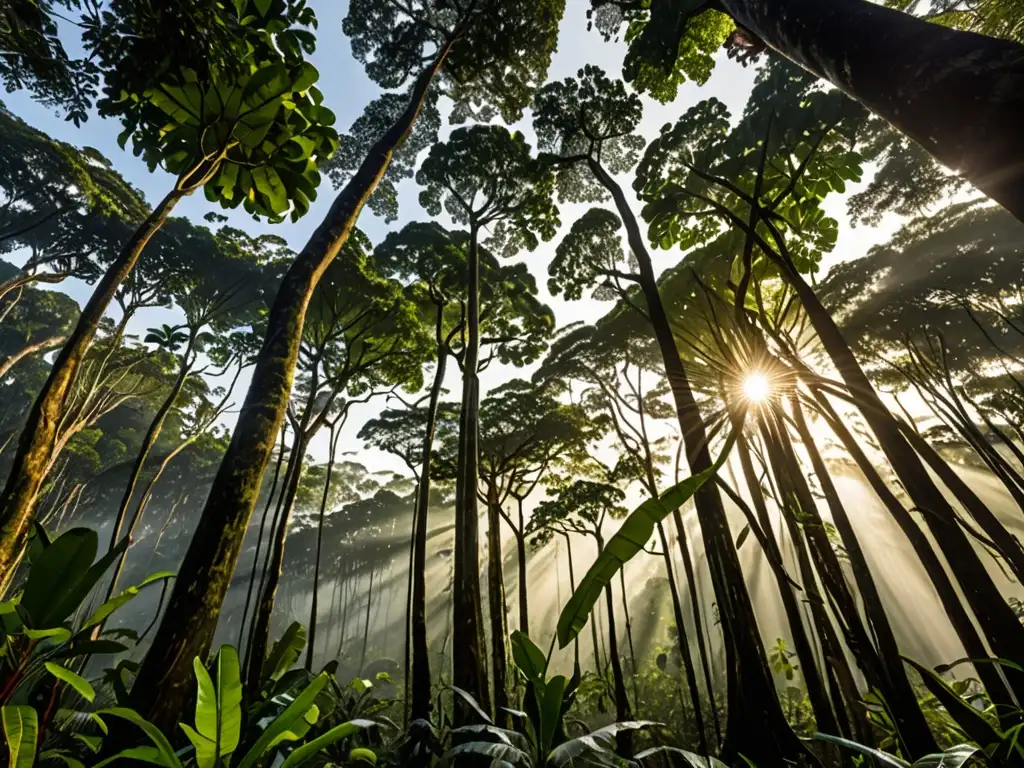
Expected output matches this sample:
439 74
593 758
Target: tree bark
420 649
468 667
524 607
497 608
164 684
36 444
756 725
1001 627
958 94
27 350
622 708
314 600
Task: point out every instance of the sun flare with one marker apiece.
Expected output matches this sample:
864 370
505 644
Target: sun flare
756 387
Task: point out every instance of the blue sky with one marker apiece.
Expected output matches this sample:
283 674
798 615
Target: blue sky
347 90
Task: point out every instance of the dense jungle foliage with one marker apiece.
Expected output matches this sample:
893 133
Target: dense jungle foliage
665 407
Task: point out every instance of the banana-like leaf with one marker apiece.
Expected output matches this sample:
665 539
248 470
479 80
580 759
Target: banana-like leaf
630 539
880 757
285 652
549 700
467 697
163 746
76 681
691 759
293 713
100 614
336 734
504 735
21 732
529 659
496 753
218 710
954 757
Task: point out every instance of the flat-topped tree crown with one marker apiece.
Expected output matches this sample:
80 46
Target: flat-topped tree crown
498 50
485 176
587 117
251 132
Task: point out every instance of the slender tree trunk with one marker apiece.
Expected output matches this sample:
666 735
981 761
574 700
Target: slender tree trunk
366 623
684 645
524 607
913 727
420 649
259 642
259 538
468 666
959 94
944 587
164 684
28 350
824 717
497 608
629 638
152 435
756 725
698 621
1001 627
572 588
39 433
622 709
20 281
314 600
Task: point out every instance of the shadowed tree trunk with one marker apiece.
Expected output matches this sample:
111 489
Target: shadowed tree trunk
497 608
958 94
623 714
314 600
36 444
164 684
756 725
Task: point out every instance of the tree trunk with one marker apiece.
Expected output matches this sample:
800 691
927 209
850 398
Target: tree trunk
756 725
420 649
314 600
524 607
35 446
684 645
944 587
27 350
366 622
958 94
1001 627
468 667
497 608
164 684
259 641
913 727
622 710
152 435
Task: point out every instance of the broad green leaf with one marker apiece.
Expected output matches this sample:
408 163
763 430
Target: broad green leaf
883 758
467 697
632 536
336 734
295 711
160 742
150 755
54 574
362 755
57 634
954 757
496 753
285 652
691 759
76 681
100 614
21 732
53 755
529 659
550 702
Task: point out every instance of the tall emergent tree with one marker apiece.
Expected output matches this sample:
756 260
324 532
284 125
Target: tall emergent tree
489 53
957 93
581 122
250 137
483 176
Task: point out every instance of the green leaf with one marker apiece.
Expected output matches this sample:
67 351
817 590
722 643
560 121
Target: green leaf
295 711
100 614
529 659
163 746
691 759
883 758
150 755
467 697
285 652
76 681
218 709
954 757
336 734
38 541
550 703
269 184
495 753
21 732
262 6
630 539
305 77
57 634
973 722
53 576
56 754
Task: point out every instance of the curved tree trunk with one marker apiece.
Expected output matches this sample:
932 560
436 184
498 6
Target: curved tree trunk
420 649
27 350
958 94
756 725
28 468
164 684
913 727
468 666
958 616
1001 627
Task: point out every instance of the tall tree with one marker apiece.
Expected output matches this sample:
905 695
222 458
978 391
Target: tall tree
963 112
231 134
484 177
578 120
490 52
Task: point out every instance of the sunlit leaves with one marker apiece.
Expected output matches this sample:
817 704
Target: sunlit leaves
589 253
